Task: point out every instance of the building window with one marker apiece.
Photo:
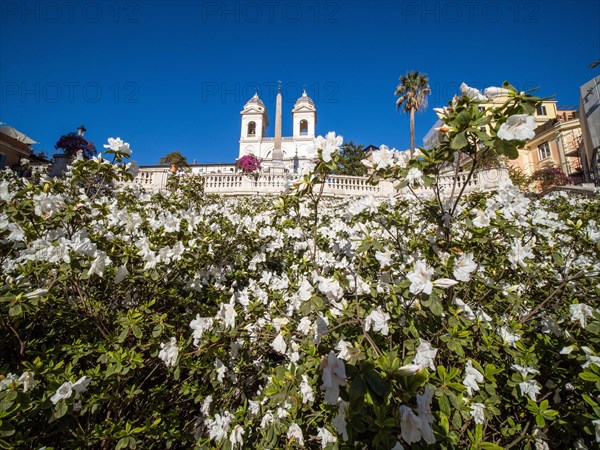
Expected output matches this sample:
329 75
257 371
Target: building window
541 111
543 151
251 129
303 127
2 161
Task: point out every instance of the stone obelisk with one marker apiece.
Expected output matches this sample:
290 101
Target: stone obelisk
277 163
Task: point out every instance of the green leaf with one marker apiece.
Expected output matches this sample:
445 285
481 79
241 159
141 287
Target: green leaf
378 384
589 376
458 141
60 409
506 148
15 310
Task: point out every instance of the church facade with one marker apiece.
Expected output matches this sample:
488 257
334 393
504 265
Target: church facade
290 154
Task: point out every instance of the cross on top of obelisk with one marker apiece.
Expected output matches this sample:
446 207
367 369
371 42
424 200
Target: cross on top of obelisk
279 86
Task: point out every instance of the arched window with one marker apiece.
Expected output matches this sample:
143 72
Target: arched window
303 127
251 129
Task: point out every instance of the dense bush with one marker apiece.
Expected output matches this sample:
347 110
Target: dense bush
176 320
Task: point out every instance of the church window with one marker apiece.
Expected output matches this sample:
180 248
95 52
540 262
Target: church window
303 127
251 129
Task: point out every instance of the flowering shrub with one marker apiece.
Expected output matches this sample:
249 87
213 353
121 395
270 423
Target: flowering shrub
548 177
133 320
71 143
249 163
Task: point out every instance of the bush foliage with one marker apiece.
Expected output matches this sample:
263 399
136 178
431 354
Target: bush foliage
179 320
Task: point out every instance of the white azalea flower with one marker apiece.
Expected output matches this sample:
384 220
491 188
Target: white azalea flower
508 337
472 93
334 376
384 258
414 176
444 282
345 348
409 370
383 157
464 266
294 432
493 92
464 309
477 412
227 313
420 278
221 370
425 355
81 385
26 379
339 421
64 391
200 325
326 437
519 127
328 145
114 144
308 395
169 352
424 410
580 312
236 436
378 321
410 425
218 427
524 370
279 344
305 326
472 378
529 388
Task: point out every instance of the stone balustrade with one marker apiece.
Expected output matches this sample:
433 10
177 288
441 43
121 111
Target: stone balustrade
335 185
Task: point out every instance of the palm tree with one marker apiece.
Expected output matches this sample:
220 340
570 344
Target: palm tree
413 91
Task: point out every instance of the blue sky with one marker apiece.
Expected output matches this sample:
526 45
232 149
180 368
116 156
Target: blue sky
173 76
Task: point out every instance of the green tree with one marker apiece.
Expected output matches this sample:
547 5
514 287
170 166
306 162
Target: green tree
175 158
352 155
412 91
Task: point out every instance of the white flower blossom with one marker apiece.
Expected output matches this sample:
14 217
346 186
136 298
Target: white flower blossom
236 436
410 425
294 432
478 412
326 437
580 312
420 278
279 344
328 145
345 350
519 127
464 266
308 395
169 352
425 355
425 415
378 321
508 337
200 325
64 391
218 427
334 376
414 176
493 92
472 378
472 93
529 388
